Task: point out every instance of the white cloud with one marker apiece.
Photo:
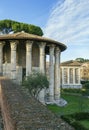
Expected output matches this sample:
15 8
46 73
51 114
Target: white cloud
69 23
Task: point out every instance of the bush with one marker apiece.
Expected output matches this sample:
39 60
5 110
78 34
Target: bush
71 90
86 85
85 90
73 119
35 83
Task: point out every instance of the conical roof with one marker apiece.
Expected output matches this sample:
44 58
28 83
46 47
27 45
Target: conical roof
27 36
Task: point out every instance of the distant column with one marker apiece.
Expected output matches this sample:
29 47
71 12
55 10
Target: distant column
57 74
79 75
73 75
42 68
13 59
1 57
28 57
68 70
62 76
51 74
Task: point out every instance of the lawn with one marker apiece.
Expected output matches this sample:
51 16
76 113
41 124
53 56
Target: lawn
75 104
85 123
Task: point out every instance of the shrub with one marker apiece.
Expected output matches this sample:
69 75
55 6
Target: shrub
86 85
85 90
73 119
35 83
71 90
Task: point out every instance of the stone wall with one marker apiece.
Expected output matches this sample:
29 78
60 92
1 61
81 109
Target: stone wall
22 112
7 72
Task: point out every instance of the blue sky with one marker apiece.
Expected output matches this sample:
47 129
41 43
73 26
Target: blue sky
66 21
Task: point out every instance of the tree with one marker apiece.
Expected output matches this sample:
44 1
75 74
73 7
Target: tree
81 60
85 88
35 82
7 26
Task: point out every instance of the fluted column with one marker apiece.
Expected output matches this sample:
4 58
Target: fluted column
73 75
68 82
42 68
42 57
57 74
79 75
62 75
51 74
1 57
13 45
28 57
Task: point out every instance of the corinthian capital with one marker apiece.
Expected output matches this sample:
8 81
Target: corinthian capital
13 45
42 44
29 45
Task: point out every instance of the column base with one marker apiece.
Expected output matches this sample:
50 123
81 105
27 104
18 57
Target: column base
56 97
41 97
61 102
50 100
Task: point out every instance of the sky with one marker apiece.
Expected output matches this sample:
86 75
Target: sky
66 21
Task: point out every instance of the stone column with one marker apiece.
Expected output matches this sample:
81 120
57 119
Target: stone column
28 57
1 57
79 75
42 68
51 74
62 76
42 57
73 76
13 59
68 79
57 74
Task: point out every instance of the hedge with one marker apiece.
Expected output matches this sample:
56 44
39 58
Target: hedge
73 119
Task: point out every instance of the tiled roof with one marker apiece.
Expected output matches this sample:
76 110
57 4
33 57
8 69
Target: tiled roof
71 63
27 36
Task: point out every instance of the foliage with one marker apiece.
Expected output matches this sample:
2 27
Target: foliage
81 60
7 26
86 85
71 90
75 104
35 83
85 89
84 82
74 120
85 123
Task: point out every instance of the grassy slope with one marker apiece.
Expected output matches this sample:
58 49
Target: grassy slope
85 123
75 104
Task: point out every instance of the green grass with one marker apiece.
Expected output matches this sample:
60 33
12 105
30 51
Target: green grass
75 104
85 123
